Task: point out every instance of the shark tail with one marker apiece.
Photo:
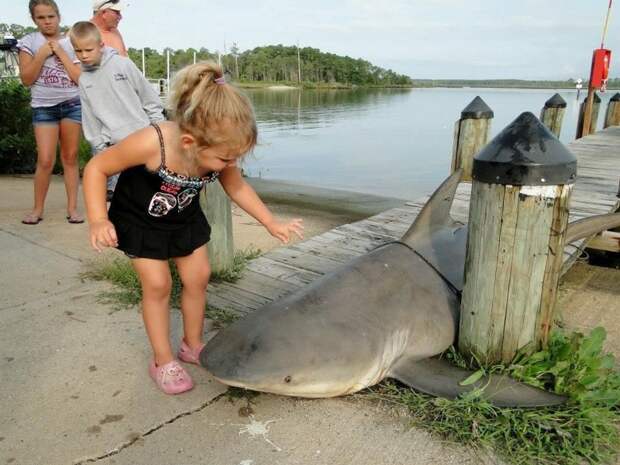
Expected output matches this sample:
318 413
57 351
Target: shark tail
590 226
442 379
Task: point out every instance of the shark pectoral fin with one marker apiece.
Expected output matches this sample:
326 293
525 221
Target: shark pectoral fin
440 378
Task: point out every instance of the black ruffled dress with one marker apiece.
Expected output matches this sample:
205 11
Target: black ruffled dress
157 214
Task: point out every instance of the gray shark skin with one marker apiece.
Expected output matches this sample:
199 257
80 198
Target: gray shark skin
382 315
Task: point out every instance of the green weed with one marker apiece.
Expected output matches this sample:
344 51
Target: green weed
222 317
584 430
240 262
128 292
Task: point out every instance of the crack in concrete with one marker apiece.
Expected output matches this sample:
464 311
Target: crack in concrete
124 446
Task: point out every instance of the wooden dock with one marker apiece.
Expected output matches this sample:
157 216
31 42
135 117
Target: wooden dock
283 270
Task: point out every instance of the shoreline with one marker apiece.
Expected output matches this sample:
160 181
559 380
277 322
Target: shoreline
355 204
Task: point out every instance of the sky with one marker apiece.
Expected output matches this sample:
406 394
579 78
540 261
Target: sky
431 39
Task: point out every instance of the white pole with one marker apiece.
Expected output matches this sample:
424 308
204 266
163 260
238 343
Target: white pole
298 64
168 71
194 56
143 67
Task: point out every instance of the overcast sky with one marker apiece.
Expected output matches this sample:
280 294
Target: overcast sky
470 39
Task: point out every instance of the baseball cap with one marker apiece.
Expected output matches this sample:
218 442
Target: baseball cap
108 5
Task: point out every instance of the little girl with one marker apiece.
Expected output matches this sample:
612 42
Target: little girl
155 213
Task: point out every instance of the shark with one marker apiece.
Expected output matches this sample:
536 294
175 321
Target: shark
389 313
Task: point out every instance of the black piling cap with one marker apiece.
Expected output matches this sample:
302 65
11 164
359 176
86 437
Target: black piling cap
615 97
555 102
525 153
477 109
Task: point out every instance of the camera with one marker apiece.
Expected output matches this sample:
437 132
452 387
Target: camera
8 43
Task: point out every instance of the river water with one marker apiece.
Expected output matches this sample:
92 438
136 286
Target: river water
390 142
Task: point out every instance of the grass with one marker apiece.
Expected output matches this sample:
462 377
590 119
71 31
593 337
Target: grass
240 261
128 292
584 430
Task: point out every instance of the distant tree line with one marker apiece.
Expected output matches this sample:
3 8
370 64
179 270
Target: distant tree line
508 83
280 64
277 63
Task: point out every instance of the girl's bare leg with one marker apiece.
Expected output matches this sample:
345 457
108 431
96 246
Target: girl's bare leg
156 286
46 136
69 144
194 271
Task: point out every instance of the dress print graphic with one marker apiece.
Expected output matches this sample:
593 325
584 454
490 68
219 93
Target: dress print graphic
169 197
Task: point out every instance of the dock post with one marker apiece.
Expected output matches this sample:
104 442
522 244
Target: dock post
552 114
612 117
517 220
216 207
596 103
471 133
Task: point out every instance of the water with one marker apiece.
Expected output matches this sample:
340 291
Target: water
390 142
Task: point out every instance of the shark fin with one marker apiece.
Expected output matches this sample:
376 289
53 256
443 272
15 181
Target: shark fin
436 211
440 378
590 226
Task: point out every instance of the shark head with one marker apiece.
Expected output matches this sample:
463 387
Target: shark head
292 352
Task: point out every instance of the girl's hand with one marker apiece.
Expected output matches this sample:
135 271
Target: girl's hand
54 46
46 50
102 234
282 231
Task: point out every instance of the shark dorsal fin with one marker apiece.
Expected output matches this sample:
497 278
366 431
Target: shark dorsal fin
435 213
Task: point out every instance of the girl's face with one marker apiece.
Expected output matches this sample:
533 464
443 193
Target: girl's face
216 157
47 20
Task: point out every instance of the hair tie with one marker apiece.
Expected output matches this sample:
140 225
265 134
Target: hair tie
220 81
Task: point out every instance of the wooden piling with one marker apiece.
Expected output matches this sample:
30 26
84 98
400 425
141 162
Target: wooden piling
596 103
517 219
216 207
612 117
552 114
471 133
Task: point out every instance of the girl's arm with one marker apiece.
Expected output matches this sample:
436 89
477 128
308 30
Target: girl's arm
244 196
140 148
30 65
73 70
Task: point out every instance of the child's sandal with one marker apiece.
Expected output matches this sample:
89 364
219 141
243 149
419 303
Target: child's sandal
189 355
171 377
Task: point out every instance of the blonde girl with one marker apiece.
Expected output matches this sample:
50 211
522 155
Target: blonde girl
48 65
155 214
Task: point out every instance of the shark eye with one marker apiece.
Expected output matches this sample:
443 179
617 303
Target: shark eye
287 379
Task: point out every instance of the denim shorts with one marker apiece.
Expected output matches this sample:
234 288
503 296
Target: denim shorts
70 109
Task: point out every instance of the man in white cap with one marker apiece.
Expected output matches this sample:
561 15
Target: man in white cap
106 16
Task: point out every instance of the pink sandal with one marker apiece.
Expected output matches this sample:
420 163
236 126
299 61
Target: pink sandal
189 355
171 377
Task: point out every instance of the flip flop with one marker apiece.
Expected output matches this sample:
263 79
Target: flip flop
32 219
75 219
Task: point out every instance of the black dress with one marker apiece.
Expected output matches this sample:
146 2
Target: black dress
157 214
